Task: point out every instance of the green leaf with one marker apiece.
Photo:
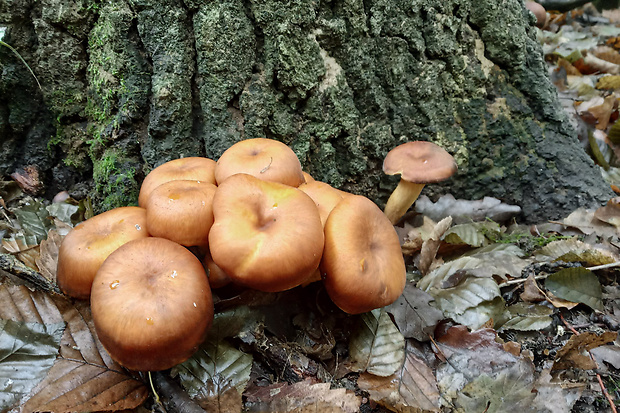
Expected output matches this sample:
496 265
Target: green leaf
214 369
377 346
27 352
63 211
578 285
474 234
472 302
526 317
34 220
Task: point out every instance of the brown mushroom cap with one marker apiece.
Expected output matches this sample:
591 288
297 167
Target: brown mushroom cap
181 211
420 162
266 235
324 196
192 168
217 277
87 245
265 159
151 304
362 261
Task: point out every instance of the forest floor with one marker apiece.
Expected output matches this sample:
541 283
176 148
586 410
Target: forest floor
495 316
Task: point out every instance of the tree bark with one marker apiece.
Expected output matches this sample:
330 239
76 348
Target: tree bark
130 84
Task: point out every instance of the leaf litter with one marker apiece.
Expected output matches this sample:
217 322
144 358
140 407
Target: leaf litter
494 317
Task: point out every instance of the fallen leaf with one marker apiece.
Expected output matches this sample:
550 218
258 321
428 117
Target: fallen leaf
84 377
574 353
377 346
524 317
302 397
531 291
554 397
30 330
577 285
508 390
413 313
412 388
473 234
430 246
48 255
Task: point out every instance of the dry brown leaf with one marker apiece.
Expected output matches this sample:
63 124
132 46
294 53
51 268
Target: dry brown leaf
412 237
602 112
84 377
574 353
26 249
599 65
302 397
430 246
611 56
229 401
570 69
531 292
608 82
559 302
411 389
48 255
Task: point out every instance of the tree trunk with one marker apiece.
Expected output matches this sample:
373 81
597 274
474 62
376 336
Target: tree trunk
128 85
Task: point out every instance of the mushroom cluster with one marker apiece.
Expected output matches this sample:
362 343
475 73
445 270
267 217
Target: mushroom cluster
252 218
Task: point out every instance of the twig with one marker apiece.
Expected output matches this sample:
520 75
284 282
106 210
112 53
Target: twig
173 398
598 376
602 267
540 277
14 267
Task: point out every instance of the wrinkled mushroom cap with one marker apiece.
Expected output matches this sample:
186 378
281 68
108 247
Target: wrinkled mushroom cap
265 159
419 162
151 304
192 168
87 245
362 261
267 236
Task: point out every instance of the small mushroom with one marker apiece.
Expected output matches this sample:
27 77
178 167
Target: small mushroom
266 235
362 265
193 168
87 245
265 159
181 211
151 304
418 163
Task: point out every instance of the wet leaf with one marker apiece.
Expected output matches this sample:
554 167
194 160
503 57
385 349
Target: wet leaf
30 332
84 377
412 387
414 315
377 346
577 285
302 397
25 248
524 317
574 353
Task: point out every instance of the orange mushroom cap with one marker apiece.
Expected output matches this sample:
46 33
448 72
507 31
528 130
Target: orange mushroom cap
266 235
362 261
151 304
217 277
87 245
324 196
181 211
265 159
192 168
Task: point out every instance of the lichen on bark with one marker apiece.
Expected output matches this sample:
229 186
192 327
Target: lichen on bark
340 81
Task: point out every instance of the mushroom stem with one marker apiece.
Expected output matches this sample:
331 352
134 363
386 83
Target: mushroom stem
401 199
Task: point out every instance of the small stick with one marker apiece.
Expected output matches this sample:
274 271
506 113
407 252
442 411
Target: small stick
598 376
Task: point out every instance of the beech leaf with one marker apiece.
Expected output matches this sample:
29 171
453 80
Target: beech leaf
213 371
63 211
30 331
472 234
47 262
524 317
302 397
377 346
84 377
413 314
412 387
578 285
34 220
